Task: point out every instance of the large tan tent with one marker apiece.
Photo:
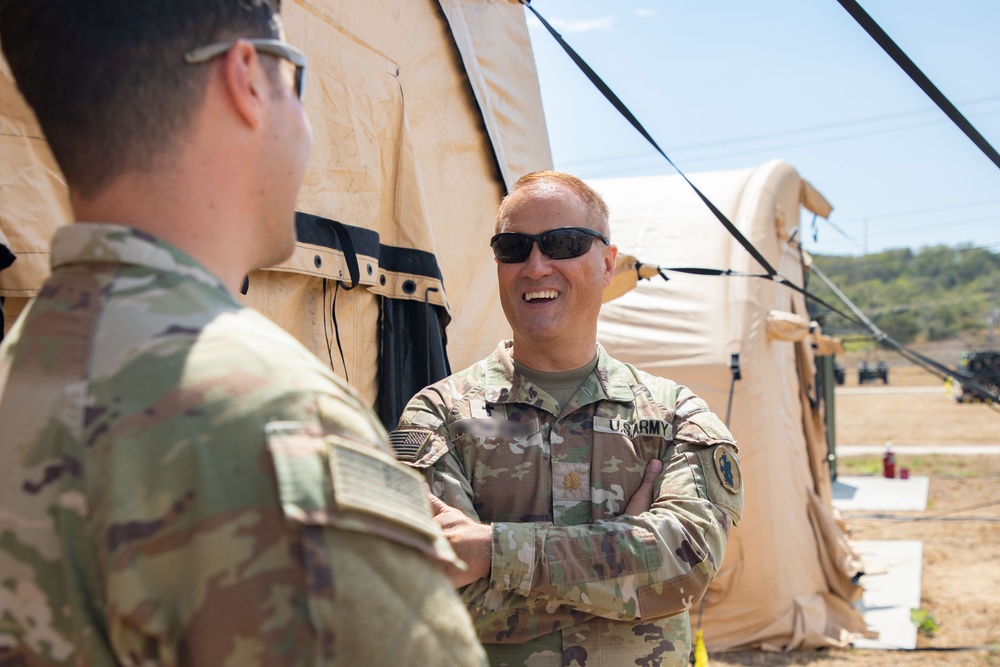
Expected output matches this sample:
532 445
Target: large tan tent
786 582
423 112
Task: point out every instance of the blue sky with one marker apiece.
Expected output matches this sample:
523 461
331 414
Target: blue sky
729 84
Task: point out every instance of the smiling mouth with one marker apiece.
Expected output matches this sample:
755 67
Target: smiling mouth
544 295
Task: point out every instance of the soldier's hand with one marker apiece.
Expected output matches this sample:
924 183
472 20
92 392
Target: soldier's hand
471 540
642 499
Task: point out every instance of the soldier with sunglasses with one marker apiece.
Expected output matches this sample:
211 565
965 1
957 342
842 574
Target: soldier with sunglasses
591 501
181 481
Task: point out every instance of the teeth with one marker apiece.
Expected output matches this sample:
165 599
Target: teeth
546 294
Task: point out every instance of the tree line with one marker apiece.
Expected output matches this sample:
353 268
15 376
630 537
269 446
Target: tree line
934 293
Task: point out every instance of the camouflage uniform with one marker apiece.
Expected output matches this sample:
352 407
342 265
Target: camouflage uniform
572 581
181 482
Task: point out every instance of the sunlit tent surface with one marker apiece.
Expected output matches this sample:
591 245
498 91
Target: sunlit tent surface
786 580
423 112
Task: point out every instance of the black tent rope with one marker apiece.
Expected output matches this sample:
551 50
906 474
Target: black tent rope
624 111
776 278
336 327
919 78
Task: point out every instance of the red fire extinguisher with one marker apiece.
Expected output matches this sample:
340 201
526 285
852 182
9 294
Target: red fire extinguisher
888 462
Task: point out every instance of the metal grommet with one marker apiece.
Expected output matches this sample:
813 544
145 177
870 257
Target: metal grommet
381 280
318 261
370 270
409 287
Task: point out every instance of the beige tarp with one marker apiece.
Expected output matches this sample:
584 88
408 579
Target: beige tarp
422 113
786 580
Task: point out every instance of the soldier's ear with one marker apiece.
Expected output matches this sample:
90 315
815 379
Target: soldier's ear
244 76
610 258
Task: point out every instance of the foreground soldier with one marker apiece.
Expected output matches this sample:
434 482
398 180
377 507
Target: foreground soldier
181 483
595 500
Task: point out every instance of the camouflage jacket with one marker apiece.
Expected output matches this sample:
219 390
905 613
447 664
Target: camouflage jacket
573 581
181 482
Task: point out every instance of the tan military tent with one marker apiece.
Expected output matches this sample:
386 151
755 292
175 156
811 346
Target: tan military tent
423 112
786 581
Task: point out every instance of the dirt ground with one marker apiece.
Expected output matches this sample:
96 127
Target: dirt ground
960 529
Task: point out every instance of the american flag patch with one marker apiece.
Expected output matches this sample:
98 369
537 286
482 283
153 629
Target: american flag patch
408 444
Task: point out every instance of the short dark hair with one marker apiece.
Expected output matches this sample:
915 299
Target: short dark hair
539 180
107 78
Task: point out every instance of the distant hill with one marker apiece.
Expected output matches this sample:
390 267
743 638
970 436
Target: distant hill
935 293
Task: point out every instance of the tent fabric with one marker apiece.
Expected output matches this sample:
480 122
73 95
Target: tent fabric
413 352
422 113
787 579
787 326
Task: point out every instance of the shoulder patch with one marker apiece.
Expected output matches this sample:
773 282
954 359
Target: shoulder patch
727 467
327 479
369 482
409 443
720 470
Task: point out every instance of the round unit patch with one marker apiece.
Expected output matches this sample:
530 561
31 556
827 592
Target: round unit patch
727 467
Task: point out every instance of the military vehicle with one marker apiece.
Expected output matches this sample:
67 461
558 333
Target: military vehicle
983 368
870 372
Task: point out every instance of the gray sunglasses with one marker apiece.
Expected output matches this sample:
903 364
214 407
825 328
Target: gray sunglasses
271 47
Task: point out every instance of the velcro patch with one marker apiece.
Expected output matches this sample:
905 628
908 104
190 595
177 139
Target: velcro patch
656 428
494 428
724 480
409 444
366 480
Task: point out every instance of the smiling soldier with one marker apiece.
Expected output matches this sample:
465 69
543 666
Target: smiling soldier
591 501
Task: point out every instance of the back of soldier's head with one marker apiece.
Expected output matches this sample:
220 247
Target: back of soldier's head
107 78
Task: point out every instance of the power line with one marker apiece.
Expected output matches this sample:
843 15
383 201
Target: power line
769 150
919 211
949 223
804 130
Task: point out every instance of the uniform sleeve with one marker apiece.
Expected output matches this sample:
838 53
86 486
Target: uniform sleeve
336 562
370 554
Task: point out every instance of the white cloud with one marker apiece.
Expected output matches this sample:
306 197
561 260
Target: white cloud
584 25
645 13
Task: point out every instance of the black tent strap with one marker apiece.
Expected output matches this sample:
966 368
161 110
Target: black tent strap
918 77
697 271
624 111
354 241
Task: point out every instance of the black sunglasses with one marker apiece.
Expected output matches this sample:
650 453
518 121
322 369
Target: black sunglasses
563 243
272 47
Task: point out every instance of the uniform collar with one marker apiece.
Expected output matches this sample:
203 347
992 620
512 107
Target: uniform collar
611 381
85 243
